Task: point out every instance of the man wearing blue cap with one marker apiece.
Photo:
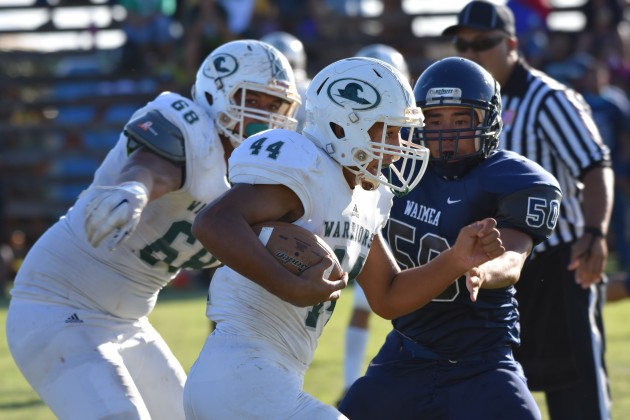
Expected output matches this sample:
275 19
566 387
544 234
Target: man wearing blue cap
560 291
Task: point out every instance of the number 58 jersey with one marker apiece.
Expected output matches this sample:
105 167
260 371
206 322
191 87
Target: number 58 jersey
514 190
346 219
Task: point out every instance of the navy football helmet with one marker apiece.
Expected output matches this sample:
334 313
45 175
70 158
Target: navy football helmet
458 82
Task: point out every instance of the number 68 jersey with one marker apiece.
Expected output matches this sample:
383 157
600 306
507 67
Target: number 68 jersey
125 282
519 194
346 219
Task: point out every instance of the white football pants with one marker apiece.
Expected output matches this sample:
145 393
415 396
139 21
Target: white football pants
240 378
86 365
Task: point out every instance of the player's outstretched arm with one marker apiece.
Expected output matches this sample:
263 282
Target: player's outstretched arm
504 270
115 210
477 243
393 293
224 227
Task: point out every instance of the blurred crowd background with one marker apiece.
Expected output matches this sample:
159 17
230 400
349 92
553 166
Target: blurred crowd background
73 71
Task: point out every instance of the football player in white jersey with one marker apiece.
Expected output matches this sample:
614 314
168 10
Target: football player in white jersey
77 325
335 180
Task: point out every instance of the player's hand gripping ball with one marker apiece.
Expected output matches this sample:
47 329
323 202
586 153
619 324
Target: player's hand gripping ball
297 248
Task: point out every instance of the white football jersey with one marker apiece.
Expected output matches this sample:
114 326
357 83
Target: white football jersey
63 266
346 219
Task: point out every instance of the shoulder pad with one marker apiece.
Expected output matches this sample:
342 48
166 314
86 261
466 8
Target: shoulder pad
157 134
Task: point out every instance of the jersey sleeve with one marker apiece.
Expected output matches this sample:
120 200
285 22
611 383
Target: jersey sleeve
280 157
527 196
533 210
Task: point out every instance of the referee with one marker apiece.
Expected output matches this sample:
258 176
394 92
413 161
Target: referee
560 292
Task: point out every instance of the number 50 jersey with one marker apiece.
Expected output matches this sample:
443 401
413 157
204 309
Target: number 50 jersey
514 190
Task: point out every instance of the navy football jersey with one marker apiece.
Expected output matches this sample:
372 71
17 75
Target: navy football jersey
514 190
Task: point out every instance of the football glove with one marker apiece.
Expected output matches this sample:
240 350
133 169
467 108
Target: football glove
115 211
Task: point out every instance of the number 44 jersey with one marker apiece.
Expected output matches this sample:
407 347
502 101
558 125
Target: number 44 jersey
346 219
520 195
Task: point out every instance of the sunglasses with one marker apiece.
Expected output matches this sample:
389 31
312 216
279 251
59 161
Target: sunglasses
477 45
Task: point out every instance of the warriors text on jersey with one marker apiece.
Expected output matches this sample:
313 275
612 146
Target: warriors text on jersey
346 219
514 190
125 282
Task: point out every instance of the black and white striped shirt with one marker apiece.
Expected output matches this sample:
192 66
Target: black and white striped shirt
552 125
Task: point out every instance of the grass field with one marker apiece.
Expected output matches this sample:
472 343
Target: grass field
179 316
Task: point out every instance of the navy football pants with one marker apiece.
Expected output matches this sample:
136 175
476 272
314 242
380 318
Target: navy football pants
401 383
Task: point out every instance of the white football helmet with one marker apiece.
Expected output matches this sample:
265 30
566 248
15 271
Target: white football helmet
388 54
235 68
291 47
354 94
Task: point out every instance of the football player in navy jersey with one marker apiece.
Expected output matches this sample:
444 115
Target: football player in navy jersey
452 358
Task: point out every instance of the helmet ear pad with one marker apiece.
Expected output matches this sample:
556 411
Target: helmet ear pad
337 130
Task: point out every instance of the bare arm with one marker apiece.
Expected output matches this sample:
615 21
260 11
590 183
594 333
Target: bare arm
156 173
590 252
393 293
224 228
505 270
502 271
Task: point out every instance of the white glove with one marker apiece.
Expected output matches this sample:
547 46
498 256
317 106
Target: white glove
115 210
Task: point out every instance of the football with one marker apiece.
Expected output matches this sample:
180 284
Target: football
296 248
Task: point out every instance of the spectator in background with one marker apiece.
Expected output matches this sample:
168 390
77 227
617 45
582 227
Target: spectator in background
205 25
6 254
605 36
149 31
75 166
560 291
297 17
12 255
239 14
531 27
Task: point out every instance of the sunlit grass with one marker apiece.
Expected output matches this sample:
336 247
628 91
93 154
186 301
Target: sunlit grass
180 317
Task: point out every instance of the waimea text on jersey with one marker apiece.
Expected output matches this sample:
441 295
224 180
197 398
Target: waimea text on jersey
422 213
